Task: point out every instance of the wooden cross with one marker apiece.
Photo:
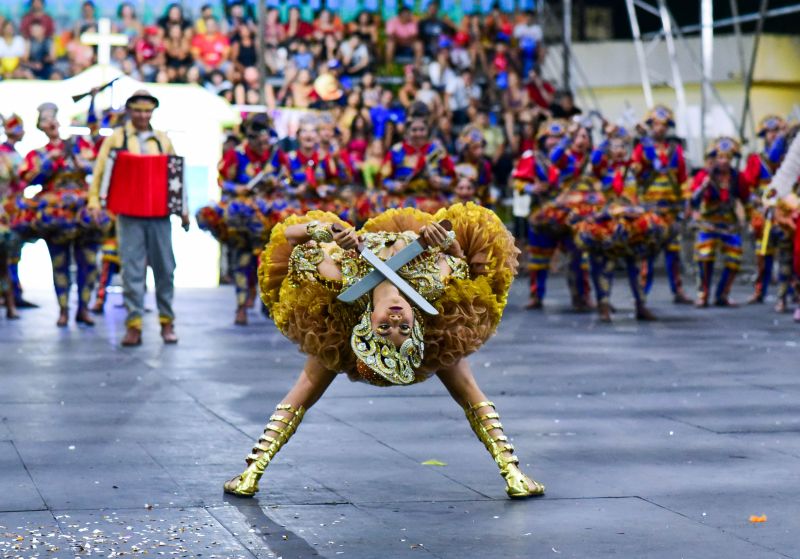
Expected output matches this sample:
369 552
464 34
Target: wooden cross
104 39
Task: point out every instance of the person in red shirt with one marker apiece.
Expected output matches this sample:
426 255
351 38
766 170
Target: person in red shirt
149 52
540 91
715 193
211 50
36 14
295 27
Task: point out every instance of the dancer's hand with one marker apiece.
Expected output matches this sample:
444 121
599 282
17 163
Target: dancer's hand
346 238
435 235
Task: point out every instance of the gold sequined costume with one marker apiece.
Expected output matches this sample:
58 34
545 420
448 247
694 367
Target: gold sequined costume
470 301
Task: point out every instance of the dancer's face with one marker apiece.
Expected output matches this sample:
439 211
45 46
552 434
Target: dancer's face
308 137
392 318
417 132
659 129
723 161
619 150
50 127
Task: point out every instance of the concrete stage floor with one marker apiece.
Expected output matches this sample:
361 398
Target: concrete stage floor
654 440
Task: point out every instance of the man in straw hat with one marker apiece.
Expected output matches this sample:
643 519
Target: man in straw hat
143 241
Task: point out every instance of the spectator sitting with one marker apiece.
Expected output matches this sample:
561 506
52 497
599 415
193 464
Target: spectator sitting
385 117
12 51
36 14
473 90
529 35
296 27
460 53
80 56
128 23
457 99
174 14
402 34
239 13
243 47
371 90
408 91
352 109
149 52
325 24
87 19
366 26
445 134
40 54
440 72
540 91
563 105
274 32
211 50
301 58
428 96
355 55
177 52
432 28
216 82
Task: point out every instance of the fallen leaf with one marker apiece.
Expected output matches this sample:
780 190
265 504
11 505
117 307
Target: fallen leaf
434 463
762 518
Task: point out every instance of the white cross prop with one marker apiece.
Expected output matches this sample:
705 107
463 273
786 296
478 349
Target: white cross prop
104 39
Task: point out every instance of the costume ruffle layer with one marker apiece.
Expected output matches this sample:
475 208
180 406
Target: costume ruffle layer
469 310
60 216
621 230
559 217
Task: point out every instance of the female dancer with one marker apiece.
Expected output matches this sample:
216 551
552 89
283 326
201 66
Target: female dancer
381 338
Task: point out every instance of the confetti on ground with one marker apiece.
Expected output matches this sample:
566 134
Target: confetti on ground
434 463
755 519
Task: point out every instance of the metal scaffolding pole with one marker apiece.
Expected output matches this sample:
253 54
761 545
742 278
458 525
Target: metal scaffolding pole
707 60
640 54
567 54
261 16
748 84
737 32
677 80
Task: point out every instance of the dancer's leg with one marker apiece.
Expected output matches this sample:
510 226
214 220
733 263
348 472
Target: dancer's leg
485 422
310 385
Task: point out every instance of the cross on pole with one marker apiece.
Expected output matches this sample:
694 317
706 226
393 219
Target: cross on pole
104 39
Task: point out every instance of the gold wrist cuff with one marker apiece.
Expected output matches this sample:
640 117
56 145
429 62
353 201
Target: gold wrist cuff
319 232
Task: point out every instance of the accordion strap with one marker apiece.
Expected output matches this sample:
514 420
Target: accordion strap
125 141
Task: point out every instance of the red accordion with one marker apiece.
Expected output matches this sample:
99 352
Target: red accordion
143 185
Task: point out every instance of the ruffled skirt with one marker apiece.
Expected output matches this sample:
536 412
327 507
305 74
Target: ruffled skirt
469 310
622 230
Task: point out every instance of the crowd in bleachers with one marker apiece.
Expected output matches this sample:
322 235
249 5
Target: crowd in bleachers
483 69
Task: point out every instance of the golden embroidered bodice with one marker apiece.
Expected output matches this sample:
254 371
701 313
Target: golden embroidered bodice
423 273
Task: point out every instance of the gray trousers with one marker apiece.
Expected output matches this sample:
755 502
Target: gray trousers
146 242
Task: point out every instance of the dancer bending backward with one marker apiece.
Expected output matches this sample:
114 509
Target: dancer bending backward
536 177
622 229
381 338
241 220
63 221
661 170
715 192
417 172
759 170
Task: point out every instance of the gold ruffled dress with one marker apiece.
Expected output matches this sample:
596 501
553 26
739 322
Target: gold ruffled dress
470 301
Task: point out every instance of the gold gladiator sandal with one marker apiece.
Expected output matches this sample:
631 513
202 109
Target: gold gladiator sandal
518 485
281 429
